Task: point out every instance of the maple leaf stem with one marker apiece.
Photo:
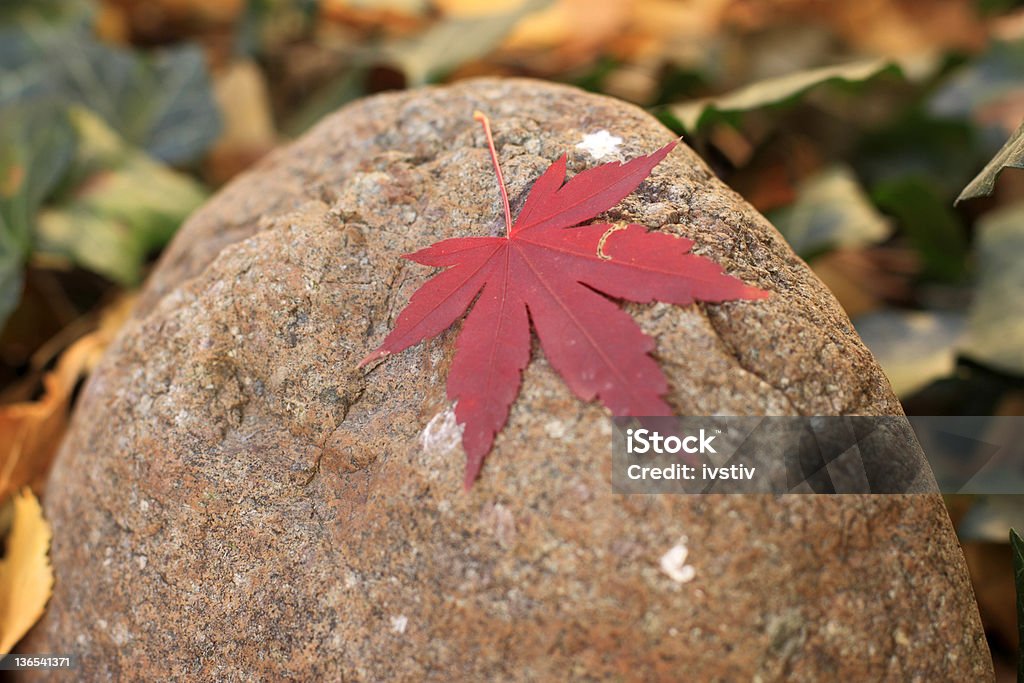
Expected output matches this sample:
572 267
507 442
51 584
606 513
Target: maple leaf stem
482 118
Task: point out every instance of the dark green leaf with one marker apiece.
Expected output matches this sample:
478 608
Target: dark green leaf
180 118
50 11
12 263
777 91
36 144
1017 545
931 226
163 104
124 206
941 150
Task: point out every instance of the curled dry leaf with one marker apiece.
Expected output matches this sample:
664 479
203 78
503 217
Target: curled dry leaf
1010 156
26 577
30 432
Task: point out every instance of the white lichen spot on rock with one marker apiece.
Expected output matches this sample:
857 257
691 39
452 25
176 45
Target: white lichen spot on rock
600 144
499 520
120 634
399 623
673 563
442 434
555 429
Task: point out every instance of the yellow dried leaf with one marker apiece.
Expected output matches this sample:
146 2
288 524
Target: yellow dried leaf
244 101
26 577
31 431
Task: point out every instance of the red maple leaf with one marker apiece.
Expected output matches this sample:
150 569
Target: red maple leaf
558 278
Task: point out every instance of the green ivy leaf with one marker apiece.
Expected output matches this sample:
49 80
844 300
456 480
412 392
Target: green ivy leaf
50 11
1017 546
776 91
36 145
162 103
935 230
123 205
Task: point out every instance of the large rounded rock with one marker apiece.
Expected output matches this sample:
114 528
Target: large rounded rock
236 499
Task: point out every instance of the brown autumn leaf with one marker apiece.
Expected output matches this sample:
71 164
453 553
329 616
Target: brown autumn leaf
248 131
401 17
26 577
30 431
887 28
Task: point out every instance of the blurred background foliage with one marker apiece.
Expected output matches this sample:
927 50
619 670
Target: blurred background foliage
855 127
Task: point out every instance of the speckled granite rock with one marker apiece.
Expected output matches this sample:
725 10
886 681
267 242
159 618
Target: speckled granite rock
236 500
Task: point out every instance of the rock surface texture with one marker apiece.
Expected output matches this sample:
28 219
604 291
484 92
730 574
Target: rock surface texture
236 500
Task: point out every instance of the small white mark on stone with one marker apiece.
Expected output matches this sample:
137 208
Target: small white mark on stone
901 638
555 429
582 491
500 521
142 561
144 505
442 434
120 635
399 623
600 144
673 563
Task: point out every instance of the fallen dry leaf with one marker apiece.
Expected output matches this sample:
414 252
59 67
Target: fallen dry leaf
30 431
544 276
397 17
26 577
248 131
887 28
